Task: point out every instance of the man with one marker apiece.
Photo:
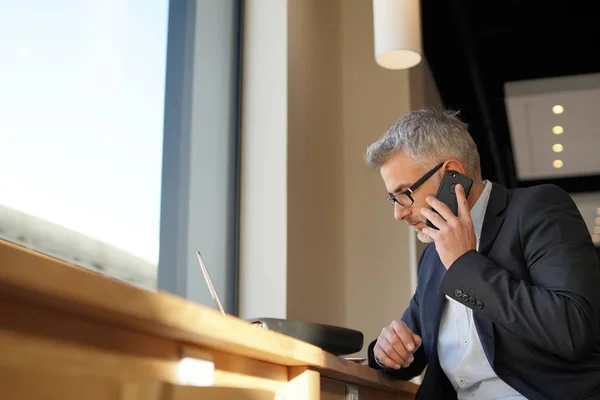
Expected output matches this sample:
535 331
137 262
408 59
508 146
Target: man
508 296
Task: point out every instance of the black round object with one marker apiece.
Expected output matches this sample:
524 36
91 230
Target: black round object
333 339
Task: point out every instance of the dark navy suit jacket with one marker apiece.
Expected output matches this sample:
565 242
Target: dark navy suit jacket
534 288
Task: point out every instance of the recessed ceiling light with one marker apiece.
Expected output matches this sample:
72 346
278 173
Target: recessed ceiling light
557 130
557 163
596 238
557 148
597 220
558 109
597 229
24 52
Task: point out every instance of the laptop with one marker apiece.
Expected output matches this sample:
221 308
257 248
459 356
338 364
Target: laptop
336 340
209 282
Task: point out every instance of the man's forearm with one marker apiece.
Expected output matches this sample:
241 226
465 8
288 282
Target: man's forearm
562 321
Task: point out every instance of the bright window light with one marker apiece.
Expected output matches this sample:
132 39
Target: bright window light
81 126
195 372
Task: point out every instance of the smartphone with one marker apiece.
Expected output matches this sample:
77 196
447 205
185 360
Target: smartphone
446 193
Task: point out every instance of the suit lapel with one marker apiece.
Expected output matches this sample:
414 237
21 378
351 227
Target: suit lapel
433 304
493 220
491 226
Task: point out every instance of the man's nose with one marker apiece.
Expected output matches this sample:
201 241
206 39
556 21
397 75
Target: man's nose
400 212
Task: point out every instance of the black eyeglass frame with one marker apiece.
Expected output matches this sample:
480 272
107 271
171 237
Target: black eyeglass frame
408 192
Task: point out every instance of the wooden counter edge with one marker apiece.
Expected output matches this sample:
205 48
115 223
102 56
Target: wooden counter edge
47 282
339 368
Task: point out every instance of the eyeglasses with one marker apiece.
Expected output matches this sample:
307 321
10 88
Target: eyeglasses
405 198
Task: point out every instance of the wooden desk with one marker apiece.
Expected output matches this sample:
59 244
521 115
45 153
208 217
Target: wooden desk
57 319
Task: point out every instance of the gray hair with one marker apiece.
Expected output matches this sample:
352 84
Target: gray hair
428 136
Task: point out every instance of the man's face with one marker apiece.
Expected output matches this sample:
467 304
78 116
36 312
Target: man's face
399 173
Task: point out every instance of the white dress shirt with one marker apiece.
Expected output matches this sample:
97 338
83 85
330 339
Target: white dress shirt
460 351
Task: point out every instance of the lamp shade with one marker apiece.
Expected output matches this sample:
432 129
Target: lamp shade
397 25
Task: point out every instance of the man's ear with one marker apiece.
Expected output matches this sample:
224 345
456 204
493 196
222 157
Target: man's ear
455 165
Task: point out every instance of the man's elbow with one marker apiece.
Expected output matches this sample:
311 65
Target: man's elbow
579 345
583 327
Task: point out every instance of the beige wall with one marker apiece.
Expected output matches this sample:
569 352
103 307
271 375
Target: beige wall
347 262
315 163
376 257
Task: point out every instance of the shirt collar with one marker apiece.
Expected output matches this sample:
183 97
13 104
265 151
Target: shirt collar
478 210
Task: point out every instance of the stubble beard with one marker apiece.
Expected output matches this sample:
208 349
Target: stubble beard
420 235
423 237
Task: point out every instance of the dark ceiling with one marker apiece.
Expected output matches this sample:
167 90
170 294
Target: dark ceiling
474 46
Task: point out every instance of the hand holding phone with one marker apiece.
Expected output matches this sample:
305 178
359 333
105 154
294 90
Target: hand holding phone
446 192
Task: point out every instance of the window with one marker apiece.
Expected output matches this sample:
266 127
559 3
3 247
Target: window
81 131
119 138
200 188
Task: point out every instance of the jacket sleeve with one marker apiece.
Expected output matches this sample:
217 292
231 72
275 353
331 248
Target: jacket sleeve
411 319
559 311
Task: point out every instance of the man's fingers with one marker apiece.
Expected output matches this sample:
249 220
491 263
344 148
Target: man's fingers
405 335
432 233
390 349
388 362
434 217
403 343
396 344
463 204
440 207
417 340
381 354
